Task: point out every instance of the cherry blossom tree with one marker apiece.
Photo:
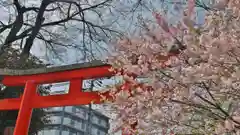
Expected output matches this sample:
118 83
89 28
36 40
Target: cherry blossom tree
181 79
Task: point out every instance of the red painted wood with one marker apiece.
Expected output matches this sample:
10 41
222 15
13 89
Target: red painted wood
31 100
25 111
85 73
80 98
10 104
75 87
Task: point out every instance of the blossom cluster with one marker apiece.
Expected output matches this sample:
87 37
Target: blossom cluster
183 78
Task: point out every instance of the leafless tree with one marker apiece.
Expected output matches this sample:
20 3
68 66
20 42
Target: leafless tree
50 20
81 24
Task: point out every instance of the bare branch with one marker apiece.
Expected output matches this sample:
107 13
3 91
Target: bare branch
36 28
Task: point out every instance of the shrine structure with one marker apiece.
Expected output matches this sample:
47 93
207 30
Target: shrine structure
31 78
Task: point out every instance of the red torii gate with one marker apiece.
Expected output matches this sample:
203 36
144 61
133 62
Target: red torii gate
75 73
33 77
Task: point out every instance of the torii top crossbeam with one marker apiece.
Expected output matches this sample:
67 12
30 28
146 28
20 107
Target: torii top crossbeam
31 78
88 70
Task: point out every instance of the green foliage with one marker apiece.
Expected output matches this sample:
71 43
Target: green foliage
8 118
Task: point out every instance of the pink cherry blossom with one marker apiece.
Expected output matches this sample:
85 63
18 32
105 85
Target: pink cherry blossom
236 118
161 22
193 82
219 129
191 5
229 125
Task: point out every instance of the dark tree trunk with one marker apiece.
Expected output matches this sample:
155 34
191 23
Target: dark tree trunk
29 42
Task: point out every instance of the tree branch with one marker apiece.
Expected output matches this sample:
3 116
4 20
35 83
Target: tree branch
35 30
16 26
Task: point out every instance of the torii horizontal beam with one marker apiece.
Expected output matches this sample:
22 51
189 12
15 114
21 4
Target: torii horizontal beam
90 70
